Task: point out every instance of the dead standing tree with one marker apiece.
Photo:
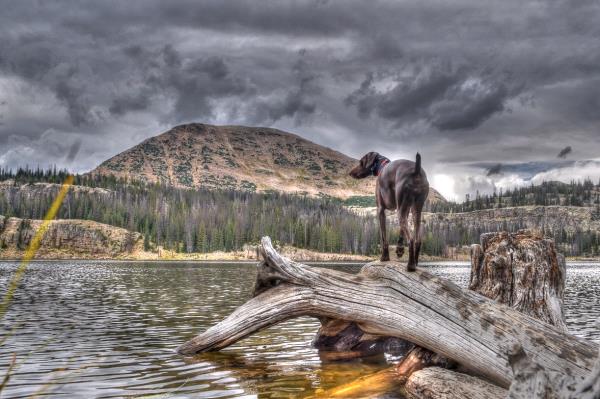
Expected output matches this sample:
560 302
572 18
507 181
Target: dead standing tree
384 300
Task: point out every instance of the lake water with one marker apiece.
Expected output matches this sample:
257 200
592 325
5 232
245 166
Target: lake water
105 329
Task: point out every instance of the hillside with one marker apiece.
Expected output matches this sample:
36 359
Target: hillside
575 229
551 218
213 224
42 189
84 239
576 193
243 158
184 220
68 239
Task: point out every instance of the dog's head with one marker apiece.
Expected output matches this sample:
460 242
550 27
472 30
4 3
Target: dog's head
365 166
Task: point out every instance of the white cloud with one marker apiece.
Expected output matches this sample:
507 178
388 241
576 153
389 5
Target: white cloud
456 182
444 184
580 170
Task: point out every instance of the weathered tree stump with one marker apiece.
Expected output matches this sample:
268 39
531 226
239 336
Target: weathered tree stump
416 306
523 271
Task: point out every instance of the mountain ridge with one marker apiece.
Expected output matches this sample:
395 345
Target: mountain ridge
237 157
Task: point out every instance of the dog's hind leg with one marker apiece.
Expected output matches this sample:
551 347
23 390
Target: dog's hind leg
416 242
404 231
385 254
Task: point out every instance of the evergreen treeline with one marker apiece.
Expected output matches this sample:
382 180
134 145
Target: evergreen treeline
197 220
580 242
440 237
203 221
576 193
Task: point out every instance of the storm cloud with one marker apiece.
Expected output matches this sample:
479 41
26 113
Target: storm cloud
564 152
503 82
494 170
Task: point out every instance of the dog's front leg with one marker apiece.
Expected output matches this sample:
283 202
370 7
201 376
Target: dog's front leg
385 254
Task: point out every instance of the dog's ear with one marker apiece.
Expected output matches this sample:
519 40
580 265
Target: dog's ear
365 166
368 160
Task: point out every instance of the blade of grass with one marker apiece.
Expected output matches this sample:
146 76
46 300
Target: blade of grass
6 378
34 245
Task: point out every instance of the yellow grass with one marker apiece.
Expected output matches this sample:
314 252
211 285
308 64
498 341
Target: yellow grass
34 245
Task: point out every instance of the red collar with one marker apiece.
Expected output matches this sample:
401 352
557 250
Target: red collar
381 166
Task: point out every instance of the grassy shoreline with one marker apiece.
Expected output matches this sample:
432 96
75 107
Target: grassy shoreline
249 254
245 256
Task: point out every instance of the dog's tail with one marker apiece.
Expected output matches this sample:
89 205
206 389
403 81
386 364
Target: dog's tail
418 164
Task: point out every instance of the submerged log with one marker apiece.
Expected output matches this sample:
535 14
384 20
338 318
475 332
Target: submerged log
418 359
344 340
388 380
439 383
373 385
416 306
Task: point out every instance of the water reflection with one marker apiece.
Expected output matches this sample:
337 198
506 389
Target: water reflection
101 329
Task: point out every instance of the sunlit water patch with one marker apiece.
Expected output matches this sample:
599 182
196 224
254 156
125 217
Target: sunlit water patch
102 329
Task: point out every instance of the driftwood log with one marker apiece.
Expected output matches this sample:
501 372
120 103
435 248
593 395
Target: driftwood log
522 270
385 300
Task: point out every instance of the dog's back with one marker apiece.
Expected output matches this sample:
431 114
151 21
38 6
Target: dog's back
411 179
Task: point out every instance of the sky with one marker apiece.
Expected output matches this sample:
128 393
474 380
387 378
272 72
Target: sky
493 94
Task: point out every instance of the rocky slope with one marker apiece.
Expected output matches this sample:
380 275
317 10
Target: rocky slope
576 230
33 190
83 239
550 218
68 239
243 158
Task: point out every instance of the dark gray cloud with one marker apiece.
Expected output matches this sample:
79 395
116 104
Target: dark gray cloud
446 98
494 170
462 82
564 152
525 169
297 103
74 150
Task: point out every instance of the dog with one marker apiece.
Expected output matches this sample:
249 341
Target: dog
402 186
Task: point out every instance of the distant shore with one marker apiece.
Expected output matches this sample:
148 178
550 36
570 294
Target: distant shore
248 255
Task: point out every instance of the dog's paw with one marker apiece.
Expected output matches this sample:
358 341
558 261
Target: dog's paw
385 258
411 267
399 251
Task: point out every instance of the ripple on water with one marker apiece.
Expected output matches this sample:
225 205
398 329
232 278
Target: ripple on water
101 329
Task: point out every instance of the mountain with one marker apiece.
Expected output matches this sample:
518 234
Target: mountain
243 158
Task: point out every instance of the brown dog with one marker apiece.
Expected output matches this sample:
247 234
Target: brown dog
402 186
